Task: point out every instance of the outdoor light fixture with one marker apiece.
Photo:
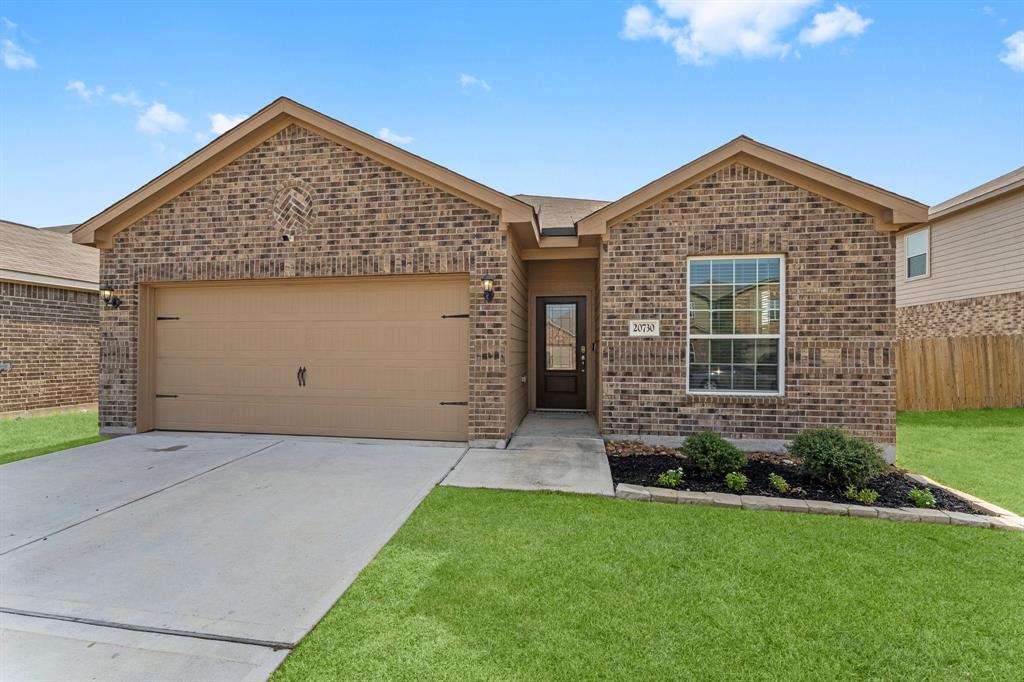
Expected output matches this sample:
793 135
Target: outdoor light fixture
107 294
488 287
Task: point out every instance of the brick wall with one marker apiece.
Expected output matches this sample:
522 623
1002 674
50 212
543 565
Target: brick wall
363 218
49 336
839 311
998 315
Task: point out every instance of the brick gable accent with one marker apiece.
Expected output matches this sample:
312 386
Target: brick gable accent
49 336
366 219
999 314
839 311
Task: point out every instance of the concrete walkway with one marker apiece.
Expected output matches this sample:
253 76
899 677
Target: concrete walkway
178 556
549 451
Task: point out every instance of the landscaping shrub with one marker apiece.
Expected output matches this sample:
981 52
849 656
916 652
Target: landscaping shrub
736 481
863 495
779 483
671 478
712 454
832 456
922 498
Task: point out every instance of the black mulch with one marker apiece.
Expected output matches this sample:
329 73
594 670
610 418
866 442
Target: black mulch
892 487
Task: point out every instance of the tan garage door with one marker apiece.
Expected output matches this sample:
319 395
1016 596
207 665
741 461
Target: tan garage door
379 358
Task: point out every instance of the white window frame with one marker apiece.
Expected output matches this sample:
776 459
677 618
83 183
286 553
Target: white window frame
927 254
781 335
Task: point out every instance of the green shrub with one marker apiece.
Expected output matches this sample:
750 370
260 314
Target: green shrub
736 481
863 495
831 456
922 497
671 478
712 454
779 483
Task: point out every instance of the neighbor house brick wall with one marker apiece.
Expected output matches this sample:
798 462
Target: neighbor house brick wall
49 336
1001 314
839 311
366 219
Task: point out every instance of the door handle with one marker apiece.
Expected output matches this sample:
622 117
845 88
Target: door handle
301 376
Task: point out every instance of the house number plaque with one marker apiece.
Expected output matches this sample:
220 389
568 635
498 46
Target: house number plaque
644 328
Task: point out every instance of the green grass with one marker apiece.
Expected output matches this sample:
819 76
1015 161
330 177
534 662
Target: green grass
494 585
31 436
978 451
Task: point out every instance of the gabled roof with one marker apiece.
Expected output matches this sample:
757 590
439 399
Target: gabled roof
557 212
46 257
262 125
1014 180
891 211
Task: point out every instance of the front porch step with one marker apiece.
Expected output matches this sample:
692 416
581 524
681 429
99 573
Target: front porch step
556 444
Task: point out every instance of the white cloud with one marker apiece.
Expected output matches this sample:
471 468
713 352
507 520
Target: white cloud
829 26
467 81
221 123
83 92
14 57
1014 55
8 24
130 98
158 119
394 138
702 30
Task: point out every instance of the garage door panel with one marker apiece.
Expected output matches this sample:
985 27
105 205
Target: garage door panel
379 358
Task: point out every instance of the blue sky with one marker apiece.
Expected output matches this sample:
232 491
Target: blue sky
574 99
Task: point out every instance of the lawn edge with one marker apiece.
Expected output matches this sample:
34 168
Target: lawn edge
1004 521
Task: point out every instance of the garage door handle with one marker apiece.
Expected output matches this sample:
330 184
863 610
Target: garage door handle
301 376
455 403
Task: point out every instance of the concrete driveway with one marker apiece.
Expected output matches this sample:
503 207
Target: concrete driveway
170 556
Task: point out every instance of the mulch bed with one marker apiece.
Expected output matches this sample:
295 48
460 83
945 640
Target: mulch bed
641 464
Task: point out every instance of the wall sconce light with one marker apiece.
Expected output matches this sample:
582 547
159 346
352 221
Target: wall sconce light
488 287
107 294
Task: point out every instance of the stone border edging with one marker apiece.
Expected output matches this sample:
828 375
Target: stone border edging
628 491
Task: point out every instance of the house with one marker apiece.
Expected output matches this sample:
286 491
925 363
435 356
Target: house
49 320
960 301
962 272
297 275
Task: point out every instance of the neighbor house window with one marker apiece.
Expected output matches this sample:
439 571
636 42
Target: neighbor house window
736 325
916 244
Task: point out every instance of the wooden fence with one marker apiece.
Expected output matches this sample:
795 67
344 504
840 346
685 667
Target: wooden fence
954 373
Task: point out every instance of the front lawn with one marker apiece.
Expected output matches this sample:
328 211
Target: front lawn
495 585
30 436
978 451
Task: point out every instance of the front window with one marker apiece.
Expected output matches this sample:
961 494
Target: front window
736 324
917 254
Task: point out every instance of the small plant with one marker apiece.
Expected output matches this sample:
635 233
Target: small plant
712 454
671 478
863 495
779 483
831 456
798 491
922 497
736 481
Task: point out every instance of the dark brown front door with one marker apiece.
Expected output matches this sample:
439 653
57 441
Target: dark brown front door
562 353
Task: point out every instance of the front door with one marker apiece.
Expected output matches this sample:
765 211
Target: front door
562 353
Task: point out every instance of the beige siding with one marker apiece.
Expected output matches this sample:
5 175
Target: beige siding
517 336
977 252
564 278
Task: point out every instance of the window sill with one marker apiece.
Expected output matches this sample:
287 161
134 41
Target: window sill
735 394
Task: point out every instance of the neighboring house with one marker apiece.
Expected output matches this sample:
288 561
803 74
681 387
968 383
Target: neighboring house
49 319
962 273
960 301
297 275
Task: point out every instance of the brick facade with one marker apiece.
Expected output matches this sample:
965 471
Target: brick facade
839 311
49 336
997 315
365 218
